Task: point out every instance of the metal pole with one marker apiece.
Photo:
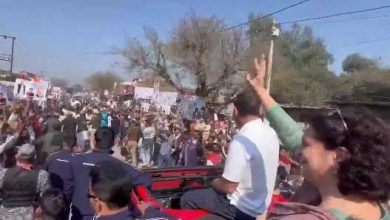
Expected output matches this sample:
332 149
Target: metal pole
12 55
269 67
275 33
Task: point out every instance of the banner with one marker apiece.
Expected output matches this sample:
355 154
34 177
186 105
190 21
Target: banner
28 89
40 90
166 98
143 92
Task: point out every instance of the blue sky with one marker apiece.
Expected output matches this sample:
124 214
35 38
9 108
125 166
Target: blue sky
66 38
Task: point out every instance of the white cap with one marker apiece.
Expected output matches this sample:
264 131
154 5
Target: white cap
26 151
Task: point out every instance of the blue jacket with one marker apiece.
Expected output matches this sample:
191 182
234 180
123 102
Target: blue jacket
81 165
60 170
150 213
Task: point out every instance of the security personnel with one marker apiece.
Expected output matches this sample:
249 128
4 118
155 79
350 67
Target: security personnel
82 164
59 168
21 185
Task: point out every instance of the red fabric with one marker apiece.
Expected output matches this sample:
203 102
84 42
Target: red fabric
143 194
285 159
276 199
184 214
214 158
24 166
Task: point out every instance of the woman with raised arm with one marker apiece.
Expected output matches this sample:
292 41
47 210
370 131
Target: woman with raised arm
288 130
346 156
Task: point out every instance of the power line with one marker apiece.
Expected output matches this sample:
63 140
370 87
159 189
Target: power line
335 15
363 42
353 19
267 15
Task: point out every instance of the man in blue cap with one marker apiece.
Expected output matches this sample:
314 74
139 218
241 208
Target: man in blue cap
83 163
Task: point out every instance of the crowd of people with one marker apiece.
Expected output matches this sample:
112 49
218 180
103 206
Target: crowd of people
60 162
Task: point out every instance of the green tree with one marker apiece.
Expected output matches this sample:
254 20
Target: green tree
300 69
364 79
356 63
102 81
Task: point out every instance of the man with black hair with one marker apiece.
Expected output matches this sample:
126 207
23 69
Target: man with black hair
83 163
59 167
52 205
69 125
109 194
245 189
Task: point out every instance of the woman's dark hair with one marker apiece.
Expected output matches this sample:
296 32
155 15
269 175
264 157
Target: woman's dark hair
366 173
105 138
52 203
111 183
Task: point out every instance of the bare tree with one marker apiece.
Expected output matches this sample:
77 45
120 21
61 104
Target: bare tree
197 44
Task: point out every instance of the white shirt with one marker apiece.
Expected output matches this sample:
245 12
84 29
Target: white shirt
109 119
149 132
252 162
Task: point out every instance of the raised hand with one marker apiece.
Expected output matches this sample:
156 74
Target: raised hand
256 79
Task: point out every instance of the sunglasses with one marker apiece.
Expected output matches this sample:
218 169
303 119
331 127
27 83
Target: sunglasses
340 115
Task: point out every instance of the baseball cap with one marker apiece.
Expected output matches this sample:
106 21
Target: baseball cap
26 151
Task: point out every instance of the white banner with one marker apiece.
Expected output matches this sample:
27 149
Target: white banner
143 93
167 98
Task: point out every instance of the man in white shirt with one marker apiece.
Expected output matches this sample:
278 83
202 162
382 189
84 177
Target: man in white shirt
245 189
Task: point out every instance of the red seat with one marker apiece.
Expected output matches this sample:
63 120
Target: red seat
141 193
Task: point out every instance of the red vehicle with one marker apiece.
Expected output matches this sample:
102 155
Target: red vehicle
170 184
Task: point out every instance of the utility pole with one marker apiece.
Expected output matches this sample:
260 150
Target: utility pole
275 33
10 58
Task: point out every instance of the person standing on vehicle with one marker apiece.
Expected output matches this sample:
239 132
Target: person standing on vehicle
245 189
21 185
